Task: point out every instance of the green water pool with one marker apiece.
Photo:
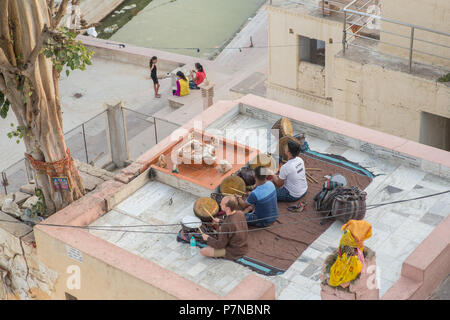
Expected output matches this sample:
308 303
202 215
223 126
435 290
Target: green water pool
178 25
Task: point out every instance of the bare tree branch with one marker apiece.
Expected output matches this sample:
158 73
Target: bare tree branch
4 63
43 36
50 7
61 11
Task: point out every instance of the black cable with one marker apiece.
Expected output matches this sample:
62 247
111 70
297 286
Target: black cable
106 228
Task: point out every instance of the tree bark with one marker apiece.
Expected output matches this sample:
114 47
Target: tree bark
34 95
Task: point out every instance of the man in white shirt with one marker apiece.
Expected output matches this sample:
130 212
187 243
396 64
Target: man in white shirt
291 182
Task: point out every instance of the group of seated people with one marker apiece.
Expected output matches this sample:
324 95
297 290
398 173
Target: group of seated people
184 84
260 208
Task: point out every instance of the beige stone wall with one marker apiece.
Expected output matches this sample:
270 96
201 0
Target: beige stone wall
432 14
299 99
311 78
367 94
22 274
285 69
98 279
384 99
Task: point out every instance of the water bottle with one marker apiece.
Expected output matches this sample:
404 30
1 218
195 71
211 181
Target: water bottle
193 246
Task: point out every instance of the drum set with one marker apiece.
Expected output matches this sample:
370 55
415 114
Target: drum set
239 184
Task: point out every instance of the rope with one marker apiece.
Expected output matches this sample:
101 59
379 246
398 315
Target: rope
112 228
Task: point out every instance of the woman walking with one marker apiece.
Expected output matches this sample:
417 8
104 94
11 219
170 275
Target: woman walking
154 76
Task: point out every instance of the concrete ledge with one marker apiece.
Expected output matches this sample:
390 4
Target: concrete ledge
177 102
252 287
109 49
425 268
390 145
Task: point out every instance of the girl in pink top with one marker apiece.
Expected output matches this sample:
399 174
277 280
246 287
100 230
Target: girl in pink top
198 78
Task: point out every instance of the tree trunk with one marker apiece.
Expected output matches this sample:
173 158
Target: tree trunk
37 105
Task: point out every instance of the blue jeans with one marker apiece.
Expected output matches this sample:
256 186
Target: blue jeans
283 195
193 85
261 223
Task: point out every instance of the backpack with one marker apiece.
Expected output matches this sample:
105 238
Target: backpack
323 199
349 204
344 203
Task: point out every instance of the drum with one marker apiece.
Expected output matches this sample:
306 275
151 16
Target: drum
233 185
264 160
204 204
248 175
284 126
283 143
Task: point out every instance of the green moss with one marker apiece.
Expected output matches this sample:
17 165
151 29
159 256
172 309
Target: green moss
444 78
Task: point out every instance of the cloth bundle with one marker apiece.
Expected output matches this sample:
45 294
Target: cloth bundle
350 260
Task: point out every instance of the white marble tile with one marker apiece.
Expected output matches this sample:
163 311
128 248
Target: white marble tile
392 220
415 209
377 239
394 246
311 253
313 297
355 156
169 258
441 208
414 230
317 144
195 270
304 283
434 182
384 286
295 269
389 268
334 231
407 250
293 293
405 178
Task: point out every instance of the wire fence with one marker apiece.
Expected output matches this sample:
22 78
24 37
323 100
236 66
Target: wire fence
144 131
89 143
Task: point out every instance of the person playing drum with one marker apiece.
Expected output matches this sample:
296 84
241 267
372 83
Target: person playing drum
260 207
232 241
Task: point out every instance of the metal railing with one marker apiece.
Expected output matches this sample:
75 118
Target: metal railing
88 142
143 131
346 40
324 6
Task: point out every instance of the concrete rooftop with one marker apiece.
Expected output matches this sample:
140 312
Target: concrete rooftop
397 229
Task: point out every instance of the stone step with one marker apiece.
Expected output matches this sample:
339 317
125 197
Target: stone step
163 113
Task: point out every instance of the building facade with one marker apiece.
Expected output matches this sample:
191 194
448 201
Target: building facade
373 82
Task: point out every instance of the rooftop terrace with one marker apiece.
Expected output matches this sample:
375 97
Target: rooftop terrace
398 229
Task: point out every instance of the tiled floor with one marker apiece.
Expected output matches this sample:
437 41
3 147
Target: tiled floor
397 229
